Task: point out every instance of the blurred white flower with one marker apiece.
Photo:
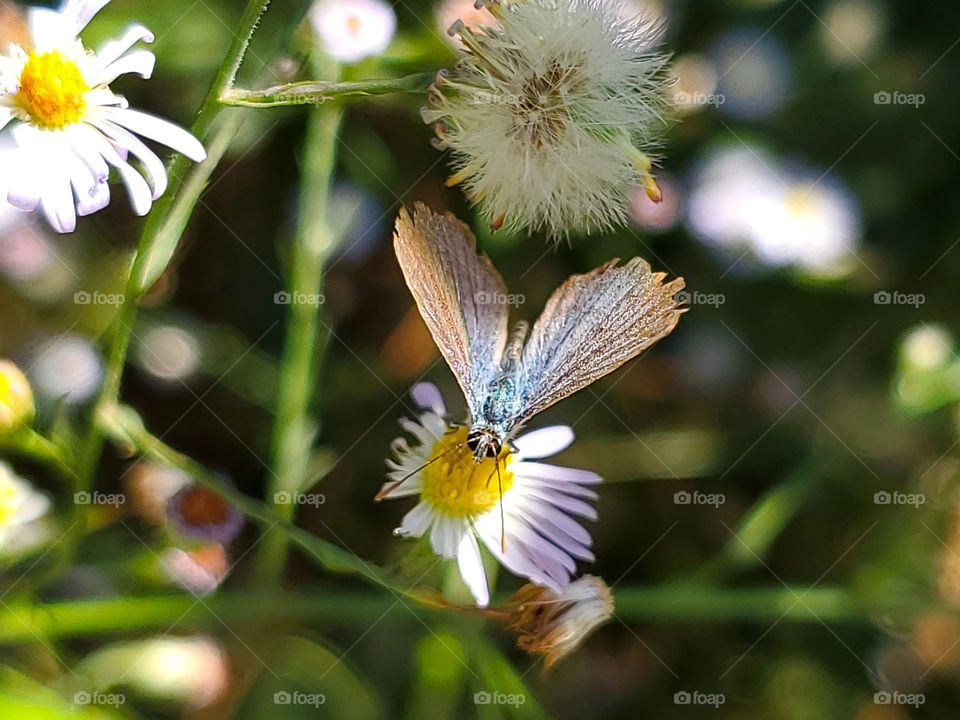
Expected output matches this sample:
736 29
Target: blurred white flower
852 30
169 353
552 115
67 369
524 513
70 128
191 670
20 505
745 201
351 30
198 571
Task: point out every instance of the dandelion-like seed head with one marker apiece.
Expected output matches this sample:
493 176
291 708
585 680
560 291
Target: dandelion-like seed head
553 114
52 90
458 487
554 625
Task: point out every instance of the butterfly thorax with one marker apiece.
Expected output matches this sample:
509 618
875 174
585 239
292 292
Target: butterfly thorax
495 422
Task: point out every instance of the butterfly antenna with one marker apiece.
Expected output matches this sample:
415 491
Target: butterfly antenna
393 486
503 526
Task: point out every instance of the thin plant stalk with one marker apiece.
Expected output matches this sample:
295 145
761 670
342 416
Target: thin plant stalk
314 241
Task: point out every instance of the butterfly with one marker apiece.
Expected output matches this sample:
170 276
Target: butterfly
591 325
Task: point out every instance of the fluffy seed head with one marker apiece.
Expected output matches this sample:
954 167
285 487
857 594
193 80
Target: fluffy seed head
552 113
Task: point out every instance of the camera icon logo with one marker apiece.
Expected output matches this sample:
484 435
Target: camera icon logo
683 297
282 697
282 498
81 297
682 698
82 498
81 697
882 98
882 497
282 298
882 697
482 698
882 297
682 498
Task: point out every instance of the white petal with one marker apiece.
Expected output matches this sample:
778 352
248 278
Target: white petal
156 172
159 130
140 196
471 569
90 194
56 201
80 12
112 50
416 522
33 507
559 500
427 396
139 62
25 196
5 117
576 546
49 29
544 442
539 511
555 473
445 536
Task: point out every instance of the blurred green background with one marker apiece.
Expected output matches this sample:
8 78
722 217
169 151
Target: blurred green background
810 203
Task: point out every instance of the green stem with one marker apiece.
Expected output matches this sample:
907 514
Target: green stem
25 622
125 427
294 429
29 443
156 247
21 623
694 602
317 92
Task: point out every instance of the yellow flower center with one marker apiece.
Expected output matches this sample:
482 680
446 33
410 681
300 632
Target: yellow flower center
459 487
52 90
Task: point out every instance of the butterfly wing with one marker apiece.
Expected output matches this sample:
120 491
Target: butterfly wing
459 293
592 325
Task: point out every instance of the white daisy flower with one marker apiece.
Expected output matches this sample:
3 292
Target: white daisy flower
552 113
20 505
530 528
351 30
70 128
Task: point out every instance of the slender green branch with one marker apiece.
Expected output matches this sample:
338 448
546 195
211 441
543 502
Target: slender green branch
318 92
24 622
695 602
29 443
156 247
124 426
294 429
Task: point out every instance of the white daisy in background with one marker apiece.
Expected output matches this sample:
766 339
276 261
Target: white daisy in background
350 30
747 202
20 506
553 113
461 501
70 128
